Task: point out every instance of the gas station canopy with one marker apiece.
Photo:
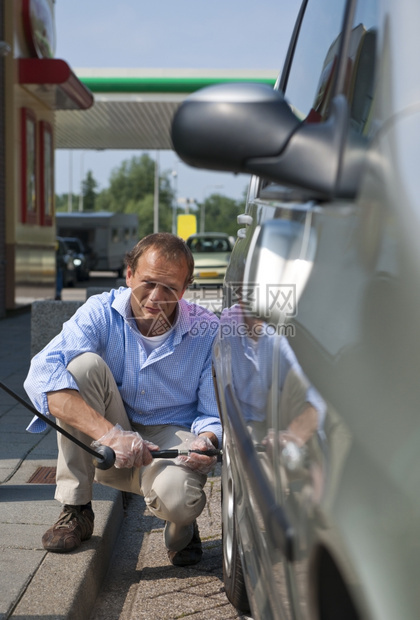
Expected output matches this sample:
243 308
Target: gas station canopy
133 109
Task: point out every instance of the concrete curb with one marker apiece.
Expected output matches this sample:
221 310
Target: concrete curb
67 585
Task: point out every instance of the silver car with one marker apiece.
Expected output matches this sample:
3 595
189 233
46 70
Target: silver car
317 362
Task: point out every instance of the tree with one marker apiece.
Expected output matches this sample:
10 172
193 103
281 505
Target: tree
89 194
131 190
145 212
132 180
61 202
220 214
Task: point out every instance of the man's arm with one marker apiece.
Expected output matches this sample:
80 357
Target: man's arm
129 447
85 331
69 407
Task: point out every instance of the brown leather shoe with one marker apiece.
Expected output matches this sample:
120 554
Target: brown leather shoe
74 525
189 555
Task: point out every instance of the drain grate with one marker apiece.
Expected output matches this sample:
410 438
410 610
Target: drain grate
43 475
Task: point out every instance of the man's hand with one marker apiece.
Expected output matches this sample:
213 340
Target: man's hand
129 447
199 462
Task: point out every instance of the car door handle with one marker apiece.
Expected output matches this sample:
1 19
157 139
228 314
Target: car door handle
244 219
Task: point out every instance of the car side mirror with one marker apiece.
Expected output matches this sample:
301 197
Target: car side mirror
277 267
251 128
223 126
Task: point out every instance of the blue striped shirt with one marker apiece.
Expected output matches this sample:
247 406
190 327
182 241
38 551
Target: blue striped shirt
173 385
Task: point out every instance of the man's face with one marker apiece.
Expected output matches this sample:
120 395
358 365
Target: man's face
157 285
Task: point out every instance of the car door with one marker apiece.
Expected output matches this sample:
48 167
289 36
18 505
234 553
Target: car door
294 277
329 303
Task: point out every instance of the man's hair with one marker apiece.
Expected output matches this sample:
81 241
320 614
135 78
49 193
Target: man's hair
169 246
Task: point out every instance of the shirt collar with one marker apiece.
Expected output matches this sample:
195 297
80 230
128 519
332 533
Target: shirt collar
122 305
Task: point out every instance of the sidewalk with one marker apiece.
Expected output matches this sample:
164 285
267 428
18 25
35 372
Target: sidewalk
35 583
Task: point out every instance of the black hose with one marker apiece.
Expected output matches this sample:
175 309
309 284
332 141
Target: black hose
47 420
105 454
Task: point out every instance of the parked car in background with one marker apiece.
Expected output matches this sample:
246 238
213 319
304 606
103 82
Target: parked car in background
80 258
318 354
66 270
211 253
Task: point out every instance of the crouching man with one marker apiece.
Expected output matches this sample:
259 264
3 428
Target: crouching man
132 370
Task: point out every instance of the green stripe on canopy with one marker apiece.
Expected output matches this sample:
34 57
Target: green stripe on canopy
158 85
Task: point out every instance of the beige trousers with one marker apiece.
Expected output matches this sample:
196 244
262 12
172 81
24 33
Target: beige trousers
173 492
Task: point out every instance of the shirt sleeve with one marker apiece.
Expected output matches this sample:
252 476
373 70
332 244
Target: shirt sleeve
83 332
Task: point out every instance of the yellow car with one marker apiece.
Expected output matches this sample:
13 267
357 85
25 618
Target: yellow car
211 253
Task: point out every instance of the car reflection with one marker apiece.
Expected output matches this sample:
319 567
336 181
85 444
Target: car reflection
284 417
263 360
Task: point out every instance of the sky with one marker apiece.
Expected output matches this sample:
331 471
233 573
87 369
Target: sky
168 34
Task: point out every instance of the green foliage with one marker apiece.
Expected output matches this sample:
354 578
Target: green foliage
145 212
220 214
102 201
61 202
131 190
133 180
89 186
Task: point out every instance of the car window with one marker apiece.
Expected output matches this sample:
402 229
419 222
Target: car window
209 244
317 72
321 26
313 76
363 59
73 245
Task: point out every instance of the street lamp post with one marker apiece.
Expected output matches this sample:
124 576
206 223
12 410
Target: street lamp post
203 206
156 196
174 206
82 155
70 194
187 202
